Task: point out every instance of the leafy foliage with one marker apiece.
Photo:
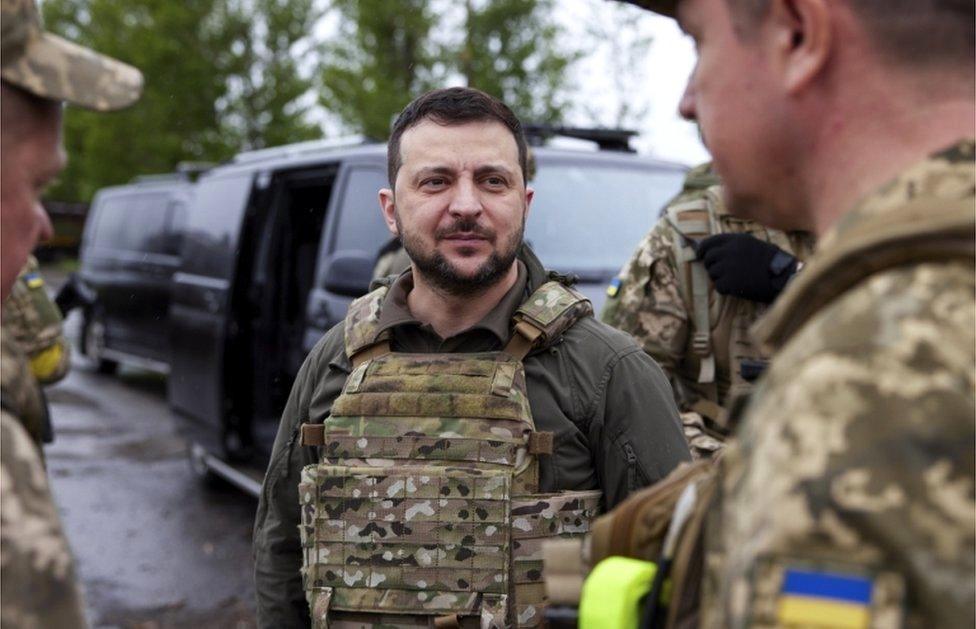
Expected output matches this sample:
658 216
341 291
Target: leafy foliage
219 76
387 53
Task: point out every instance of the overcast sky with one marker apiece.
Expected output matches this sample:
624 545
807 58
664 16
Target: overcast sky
649 78
657 77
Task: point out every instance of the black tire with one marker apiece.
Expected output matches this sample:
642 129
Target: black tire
92 342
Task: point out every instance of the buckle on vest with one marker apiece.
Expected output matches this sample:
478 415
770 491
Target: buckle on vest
701 343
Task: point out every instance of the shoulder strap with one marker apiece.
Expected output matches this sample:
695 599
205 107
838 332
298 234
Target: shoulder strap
693 220
361 325
923 230
546 314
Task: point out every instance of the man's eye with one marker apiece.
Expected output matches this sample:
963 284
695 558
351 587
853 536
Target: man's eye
435 182
495 181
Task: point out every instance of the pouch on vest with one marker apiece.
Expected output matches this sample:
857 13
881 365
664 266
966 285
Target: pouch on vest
425 506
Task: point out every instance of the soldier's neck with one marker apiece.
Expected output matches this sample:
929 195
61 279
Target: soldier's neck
877 150
449 314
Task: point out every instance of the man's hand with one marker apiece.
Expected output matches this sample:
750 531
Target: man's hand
741 265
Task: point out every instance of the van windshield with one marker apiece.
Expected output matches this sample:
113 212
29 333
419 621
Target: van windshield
588 218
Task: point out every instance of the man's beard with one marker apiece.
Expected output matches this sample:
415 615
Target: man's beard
443 275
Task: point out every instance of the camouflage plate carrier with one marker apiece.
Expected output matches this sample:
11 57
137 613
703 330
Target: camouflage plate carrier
424 509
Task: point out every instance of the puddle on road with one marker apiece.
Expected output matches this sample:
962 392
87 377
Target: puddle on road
70 397
151 449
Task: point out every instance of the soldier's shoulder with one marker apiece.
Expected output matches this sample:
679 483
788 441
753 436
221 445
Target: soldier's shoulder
329 350
599 341
928 302
899 336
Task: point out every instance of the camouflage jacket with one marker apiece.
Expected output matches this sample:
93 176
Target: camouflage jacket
609 406
30 317
37 577
648 302
850 485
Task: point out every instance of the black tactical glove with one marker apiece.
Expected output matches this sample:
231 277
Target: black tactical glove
741 265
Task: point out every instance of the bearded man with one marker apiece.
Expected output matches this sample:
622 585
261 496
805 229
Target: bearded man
462 412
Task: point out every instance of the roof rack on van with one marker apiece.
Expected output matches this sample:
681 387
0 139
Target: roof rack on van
193 170
299 148
607 139
160 178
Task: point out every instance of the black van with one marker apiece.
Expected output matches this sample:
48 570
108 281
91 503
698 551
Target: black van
129 251
278 243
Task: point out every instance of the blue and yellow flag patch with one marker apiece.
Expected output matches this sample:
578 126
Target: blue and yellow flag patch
824 599
614 287
33 280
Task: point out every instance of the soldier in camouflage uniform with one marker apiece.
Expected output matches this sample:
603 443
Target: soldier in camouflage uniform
33 325
464 411
847 497
38 71
697 331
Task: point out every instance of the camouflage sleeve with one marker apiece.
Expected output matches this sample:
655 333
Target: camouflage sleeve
37 580
277 548
648 305
855 465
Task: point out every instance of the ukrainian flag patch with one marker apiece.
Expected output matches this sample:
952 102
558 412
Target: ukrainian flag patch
33 280
824 599
614 287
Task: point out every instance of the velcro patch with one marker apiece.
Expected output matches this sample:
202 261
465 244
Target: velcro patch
824 599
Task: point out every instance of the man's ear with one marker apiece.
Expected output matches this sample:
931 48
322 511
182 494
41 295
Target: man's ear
388 207
802 34
529 195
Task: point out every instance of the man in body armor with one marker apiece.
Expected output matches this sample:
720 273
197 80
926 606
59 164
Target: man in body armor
465 411
39 71
689 294
847 495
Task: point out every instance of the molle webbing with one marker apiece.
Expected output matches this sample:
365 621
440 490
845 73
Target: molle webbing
693 220
424 506
362 321
544 316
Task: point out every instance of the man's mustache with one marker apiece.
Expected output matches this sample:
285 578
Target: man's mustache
467 227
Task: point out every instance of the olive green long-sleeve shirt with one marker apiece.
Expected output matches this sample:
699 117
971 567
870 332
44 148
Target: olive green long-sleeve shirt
608 404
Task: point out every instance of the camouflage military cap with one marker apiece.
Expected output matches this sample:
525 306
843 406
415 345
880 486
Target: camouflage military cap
53 68
664 7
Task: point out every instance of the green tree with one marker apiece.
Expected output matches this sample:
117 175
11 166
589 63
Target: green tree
510 51
387 53
213 70
267 104
378 62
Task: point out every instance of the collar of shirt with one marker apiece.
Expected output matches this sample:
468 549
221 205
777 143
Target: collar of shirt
411 334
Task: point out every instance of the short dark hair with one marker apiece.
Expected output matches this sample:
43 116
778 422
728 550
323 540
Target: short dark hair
913 32
454 106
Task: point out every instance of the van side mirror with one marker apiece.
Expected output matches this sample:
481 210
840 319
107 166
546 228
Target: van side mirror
349 274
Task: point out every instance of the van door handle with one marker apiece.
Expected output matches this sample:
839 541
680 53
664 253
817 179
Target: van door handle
211 301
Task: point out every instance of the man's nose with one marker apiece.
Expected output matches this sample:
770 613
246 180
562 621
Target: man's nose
45 231
466 201
687 106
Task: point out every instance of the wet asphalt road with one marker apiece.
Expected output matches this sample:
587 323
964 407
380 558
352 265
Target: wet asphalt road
155 546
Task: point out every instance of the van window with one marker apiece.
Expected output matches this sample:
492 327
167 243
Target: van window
144 220
108 223
361 226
